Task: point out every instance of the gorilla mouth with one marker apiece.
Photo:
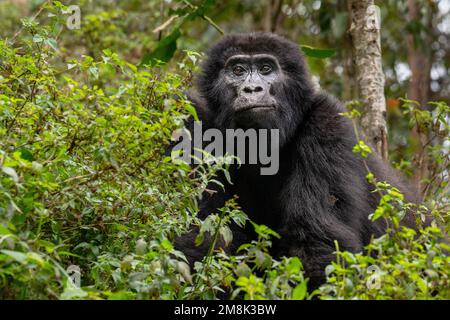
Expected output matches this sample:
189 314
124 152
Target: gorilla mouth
258 107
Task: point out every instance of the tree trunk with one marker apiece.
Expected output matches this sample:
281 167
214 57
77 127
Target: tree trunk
273 16
419 90
365 34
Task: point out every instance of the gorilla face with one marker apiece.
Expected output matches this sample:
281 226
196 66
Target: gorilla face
256 92
252 85
251 78
258 81
250 81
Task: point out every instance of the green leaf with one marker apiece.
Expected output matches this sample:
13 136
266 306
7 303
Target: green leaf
121 295
164 51
4 230
192 111
37 38
242 270
167 245
93 70
199 239
226 234
239 218
294 265
26 154
12 173
52 43
299 292
71 291
318 53
18 256
264 231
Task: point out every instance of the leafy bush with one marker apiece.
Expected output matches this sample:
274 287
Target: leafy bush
85 179
402 264
86 186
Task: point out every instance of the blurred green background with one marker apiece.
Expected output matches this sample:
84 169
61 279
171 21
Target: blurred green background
415 39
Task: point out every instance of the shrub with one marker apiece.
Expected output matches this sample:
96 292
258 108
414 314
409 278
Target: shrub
88 192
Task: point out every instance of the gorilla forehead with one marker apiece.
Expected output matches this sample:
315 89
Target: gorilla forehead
286 51
254 43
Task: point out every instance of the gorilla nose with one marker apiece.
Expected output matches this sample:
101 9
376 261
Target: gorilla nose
252 89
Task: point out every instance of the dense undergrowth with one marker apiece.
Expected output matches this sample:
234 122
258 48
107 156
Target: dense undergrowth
86 186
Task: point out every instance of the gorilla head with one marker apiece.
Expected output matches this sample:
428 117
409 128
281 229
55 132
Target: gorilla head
256 80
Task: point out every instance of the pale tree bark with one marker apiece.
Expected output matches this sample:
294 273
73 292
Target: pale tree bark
365 34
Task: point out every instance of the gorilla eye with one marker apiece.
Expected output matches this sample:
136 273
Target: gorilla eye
265 69
238 70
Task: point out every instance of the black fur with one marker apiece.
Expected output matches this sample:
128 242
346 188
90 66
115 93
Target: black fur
320 193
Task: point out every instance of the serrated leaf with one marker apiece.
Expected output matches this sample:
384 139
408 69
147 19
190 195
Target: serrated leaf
226 234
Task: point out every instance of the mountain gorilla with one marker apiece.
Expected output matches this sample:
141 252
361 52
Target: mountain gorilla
320 193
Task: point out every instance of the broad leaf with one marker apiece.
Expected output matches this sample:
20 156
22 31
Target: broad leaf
164 51
318 53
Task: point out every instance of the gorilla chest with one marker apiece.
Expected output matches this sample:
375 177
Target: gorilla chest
270 200
260 198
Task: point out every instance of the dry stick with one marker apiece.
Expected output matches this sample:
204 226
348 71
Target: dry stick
164 25
161 14
190 5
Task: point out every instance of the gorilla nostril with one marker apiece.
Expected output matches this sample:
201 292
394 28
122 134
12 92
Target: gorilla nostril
248 90
251 89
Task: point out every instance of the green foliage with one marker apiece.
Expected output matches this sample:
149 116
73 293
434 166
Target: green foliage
362 149
165 50
402 264
182 15
253 273
85 181
318 53
82 159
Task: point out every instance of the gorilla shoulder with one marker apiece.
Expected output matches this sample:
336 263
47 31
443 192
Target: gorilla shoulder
326 120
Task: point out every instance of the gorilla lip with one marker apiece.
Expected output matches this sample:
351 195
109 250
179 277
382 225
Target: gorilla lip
258 106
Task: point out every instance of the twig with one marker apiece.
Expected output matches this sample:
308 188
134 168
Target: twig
34 17
165 24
